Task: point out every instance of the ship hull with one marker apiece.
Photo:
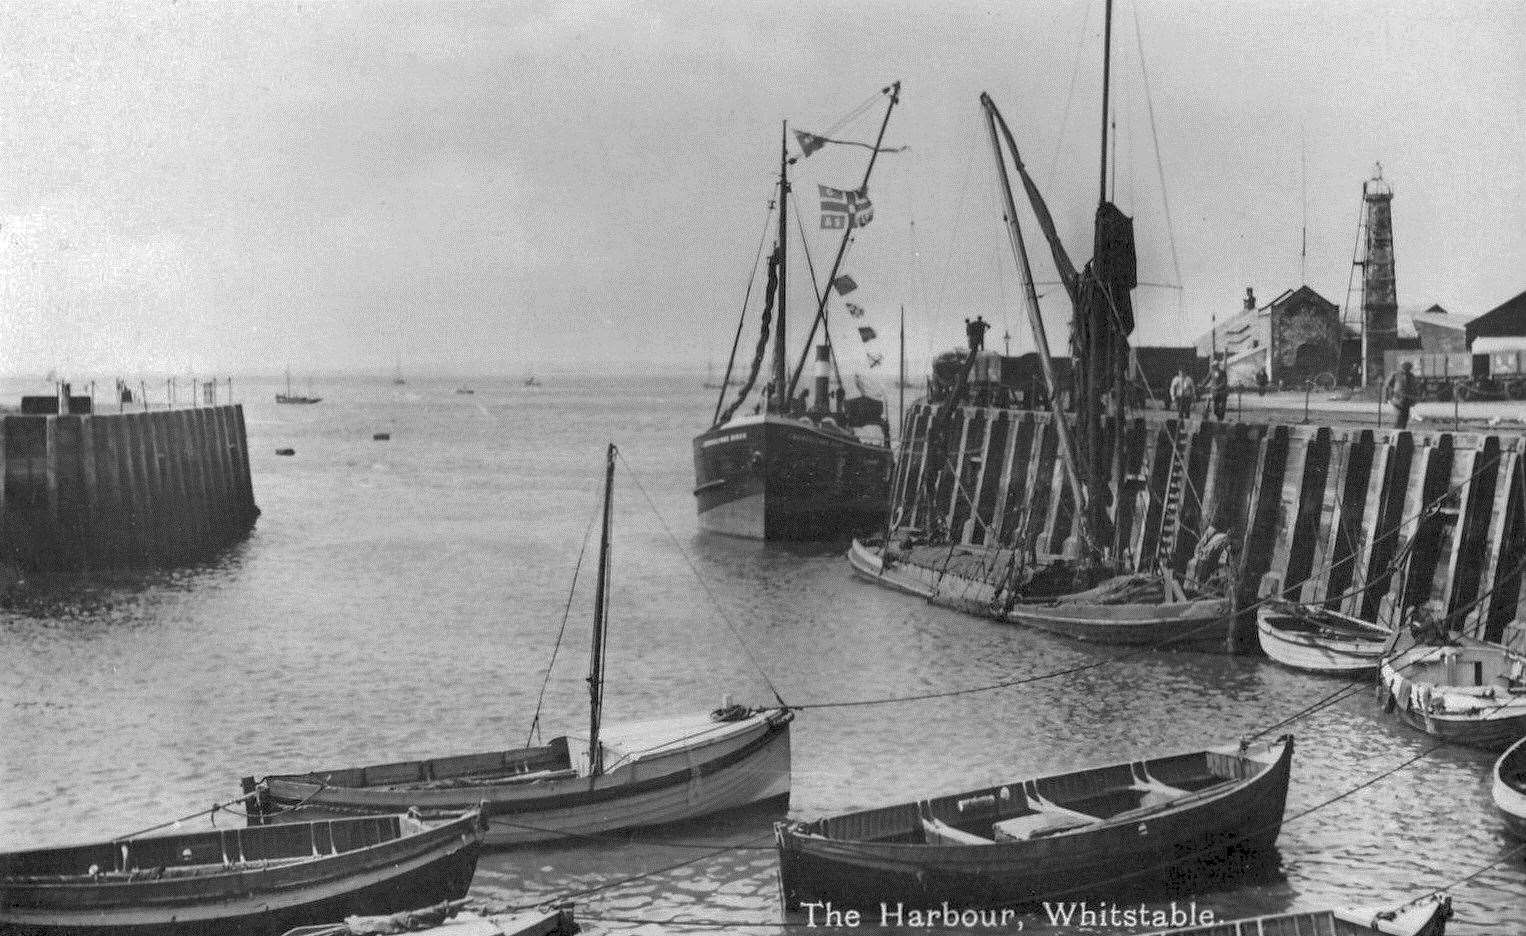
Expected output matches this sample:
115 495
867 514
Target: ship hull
778 478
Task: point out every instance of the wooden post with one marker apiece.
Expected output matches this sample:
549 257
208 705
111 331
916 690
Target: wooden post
89 535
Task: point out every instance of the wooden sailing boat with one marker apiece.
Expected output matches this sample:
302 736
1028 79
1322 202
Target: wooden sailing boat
253 881
795 470
613 777
1030 840
289 397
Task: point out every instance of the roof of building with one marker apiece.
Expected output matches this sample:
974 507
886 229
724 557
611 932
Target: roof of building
1507 318
1412 315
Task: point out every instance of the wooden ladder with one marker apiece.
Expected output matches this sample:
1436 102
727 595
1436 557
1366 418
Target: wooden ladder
1171 507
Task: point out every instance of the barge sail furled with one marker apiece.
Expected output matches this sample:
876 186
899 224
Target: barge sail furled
797 468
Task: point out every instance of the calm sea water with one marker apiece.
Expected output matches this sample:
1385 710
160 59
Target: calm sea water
402 598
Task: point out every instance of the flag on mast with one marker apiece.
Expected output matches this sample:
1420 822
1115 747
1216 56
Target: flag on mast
865 333
844 284
841 208
811 142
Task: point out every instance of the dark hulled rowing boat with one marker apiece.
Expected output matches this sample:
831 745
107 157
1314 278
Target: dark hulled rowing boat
1030 840
249 881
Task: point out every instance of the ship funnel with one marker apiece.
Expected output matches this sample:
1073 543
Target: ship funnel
823 399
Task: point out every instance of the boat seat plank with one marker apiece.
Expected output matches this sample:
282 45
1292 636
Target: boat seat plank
938 832
1045 820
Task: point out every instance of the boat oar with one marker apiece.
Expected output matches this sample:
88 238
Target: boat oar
174 822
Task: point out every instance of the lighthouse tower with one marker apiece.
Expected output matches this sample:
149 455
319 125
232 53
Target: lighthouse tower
1380 304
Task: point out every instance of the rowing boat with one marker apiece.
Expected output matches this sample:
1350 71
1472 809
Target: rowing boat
250 881
1078 833
1105 615
1316 639
1509 789
1463 690
1427 917
1102 614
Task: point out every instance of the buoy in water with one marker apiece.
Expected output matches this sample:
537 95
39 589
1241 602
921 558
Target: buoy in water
286 451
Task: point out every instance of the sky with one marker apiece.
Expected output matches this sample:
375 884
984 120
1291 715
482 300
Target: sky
496 188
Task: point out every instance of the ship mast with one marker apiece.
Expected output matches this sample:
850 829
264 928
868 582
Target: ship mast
600 622
1119 351
780 399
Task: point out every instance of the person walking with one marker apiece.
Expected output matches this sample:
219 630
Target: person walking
1218 391
1400 388
1183 390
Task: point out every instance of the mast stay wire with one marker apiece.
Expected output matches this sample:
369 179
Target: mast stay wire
705 584
1165 200
561 631
742 319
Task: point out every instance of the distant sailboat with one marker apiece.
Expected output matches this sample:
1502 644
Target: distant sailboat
397 374
714 383
296 398
532 381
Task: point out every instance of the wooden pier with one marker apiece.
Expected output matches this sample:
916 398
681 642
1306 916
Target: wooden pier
132 489
1326 509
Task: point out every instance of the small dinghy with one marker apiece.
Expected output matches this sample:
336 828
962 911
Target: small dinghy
249 881
452 919
612 777
1426 917
1037 839
1317 640
1132 610
1461 690
1510 788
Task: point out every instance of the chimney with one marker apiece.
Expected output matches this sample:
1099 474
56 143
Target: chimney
823 378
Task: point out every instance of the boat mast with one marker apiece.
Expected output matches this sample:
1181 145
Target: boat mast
600 621
1117 347
780 401
1035 318
842 247
900 429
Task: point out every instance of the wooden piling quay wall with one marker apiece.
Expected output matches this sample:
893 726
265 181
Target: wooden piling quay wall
1327 509
131 489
